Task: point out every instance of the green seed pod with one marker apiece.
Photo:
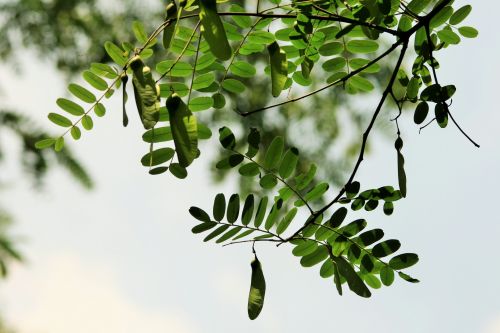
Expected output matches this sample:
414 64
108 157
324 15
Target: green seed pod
146 93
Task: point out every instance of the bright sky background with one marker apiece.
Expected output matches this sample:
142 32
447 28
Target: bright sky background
122 258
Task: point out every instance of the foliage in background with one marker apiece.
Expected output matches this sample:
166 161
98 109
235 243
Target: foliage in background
205 55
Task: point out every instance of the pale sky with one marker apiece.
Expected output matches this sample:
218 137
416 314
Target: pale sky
122 258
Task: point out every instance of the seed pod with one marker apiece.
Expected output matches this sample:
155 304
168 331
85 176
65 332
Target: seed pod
257 290
146 91
124 80
184 130
213 30
169 31
279 68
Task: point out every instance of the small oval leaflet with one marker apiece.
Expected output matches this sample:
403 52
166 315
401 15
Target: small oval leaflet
219 209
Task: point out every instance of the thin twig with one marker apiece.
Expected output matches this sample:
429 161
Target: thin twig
461 130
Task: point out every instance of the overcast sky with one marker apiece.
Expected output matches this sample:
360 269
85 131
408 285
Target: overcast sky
122 258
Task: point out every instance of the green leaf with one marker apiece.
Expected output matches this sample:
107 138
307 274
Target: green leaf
285 222
219 209
248 207
216 232
386 248
319 255
219 101
157 157
116 53
358 63
161 134
369 237
249 170
184 130
200 103
441 17
99 110
76 133
234 86
244 234
257 290
289 163
357 204
279 68
330 49
242 21
233 208
353 228
403 261
45 143
59 120
95 81
204 133
174 69
448 36
362 46
387 275
334 64
338 217
203 81
421 112
371 205
200 228
70 107
103 70
367 263
199 214
418 6
407 278
253 140
231 233
273 154
158 171
354 282
59 144
372 281
213 30
361 83
273 216
227 138
268 182
303 180
352 189
139 32
460 15
468 32
314 194
261 37
304 248
261 211
327 269
178 170
388 208
242 69
81 93
87 122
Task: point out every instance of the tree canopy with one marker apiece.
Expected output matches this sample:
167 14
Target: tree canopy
207 55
